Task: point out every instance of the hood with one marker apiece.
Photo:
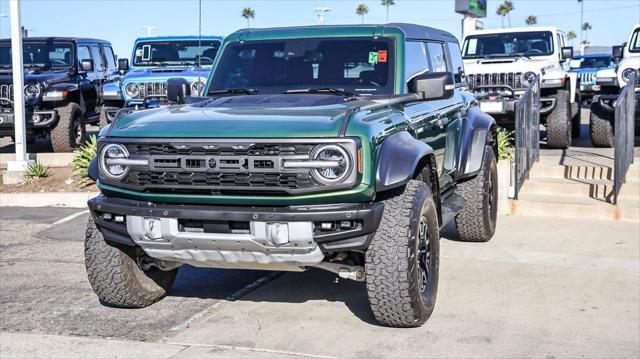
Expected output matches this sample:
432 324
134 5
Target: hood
153 74
246 116
51 77
547 64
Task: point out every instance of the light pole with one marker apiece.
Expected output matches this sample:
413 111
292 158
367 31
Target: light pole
581 20
149 29
20 164
1 16
320 11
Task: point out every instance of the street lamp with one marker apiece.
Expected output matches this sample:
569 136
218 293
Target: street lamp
1 16
149 29
320 12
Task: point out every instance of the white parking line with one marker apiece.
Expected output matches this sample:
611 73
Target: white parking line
69 217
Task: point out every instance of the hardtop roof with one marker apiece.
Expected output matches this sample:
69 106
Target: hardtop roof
59 38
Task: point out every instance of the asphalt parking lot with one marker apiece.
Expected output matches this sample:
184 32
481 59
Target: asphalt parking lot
541 288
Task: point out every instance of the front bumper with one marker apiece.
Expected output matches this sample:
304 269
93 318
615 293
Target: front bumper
507 106
282 238
34 120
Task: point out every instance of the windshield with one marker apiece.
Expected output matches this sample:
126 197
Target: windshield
192 52
40 54
357 65
591 63
533 43
634 44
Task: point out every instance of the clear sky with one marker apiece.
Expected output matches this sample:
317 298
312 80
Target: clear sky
121 21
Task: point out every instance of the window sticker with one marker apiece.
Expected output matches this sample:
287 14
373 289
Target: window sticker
382 55
146 52
373 57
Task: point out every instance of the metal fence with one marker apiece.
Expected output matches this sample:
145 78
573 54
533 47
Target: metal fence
624 136
527 133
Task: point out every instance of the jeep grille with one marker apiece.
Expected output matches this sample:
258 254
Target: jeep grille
587 77
6 94
226 167
152 90
511 79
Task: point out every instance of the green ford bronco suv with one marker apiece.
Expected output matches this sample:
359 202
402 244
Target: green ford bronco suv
346 148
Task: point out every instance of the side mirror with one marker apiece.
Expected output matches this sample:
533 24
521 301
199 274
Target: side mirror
123 65
86 65
567 52
617 53
177 89
433 86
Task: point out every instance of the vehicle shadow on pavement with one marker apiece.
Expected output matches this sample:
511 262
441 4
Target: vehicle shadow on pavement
290 287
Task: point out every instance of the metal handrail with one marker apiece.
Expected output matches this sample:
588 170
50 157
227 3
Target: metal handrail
623 136
527 133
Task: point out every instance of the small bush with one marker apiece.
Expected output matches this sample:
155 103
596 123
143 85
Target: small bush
82 158
506 148
35 171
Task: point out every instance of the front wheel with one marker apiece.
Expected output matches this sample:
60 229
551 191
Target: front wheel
403 259
116 276
559 122
69 132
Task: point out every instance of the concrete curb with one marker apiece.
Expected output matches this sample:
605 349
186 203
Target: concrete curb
49 159
46 199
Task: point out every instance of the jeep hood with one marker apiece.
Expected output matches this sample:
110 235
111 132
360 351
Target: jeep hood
143 74
253 116
51 77
522 65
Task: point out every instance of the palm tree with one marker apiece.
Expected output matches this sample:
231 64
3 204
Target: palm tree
249 14
504 9
571 36
388 3
531 20
362 10
586 27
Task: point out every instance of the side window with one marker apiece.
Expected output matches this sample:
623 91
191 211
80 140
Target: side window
416 60
83 53
111 59
436 57
456 61
98 63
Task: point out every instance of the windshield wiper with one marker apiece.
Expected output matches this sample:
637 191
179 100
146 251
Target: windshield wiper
331 90
522 54
238 90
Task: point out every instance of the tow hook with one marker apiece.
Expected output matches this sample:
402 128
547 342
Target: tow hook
345 271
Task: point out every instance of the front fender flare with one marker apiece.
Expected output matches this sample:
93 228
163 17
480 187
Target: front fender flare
478 131
399 156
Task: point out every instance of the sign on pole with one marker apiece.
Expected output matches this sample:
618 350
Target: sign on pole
472 8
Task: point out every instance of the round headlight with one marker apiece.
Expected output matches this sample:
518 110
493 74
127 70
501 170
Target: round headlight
196 88
32 91
627 73
132 89
108 161
528 77
338 164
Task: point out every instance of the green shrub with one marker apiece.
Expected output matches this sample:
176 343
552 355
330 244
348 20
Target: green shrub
82 158
506 147
35 171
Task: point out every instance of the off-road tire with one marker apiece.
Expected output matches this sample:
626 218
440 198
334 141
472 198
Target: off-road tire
559 122
576 108
69 132
397 293
116 277
476 222
601 126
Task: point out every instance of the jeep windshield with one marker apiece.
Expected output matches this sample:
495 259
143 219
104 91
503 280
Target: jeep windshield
359 65
166 53
42 54
591 62
510 44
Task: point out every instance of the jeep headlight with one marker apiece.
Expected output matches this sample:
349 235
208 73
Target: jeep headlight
527 77
32 91
333 164
197 87
132 89
627 74
112 161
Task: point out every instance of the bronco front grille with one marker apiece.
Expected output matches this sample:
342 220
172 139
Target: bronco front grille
226 167
511 79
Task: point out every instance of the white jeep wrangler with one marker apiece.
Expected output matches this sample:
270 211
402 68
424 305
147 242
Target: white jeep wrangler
500 63
611 82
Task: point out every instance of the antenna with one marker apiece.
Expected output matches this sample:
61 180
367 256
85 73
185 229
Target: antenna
320 12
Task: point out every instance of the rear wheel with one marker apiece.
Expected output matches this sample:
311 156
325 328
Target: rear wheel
403 259
559 122
70 132
476 222
116 276
601 126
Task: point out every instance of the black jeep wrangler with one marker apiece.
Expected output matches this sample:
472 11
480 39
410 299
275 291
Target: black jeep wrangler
62 78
